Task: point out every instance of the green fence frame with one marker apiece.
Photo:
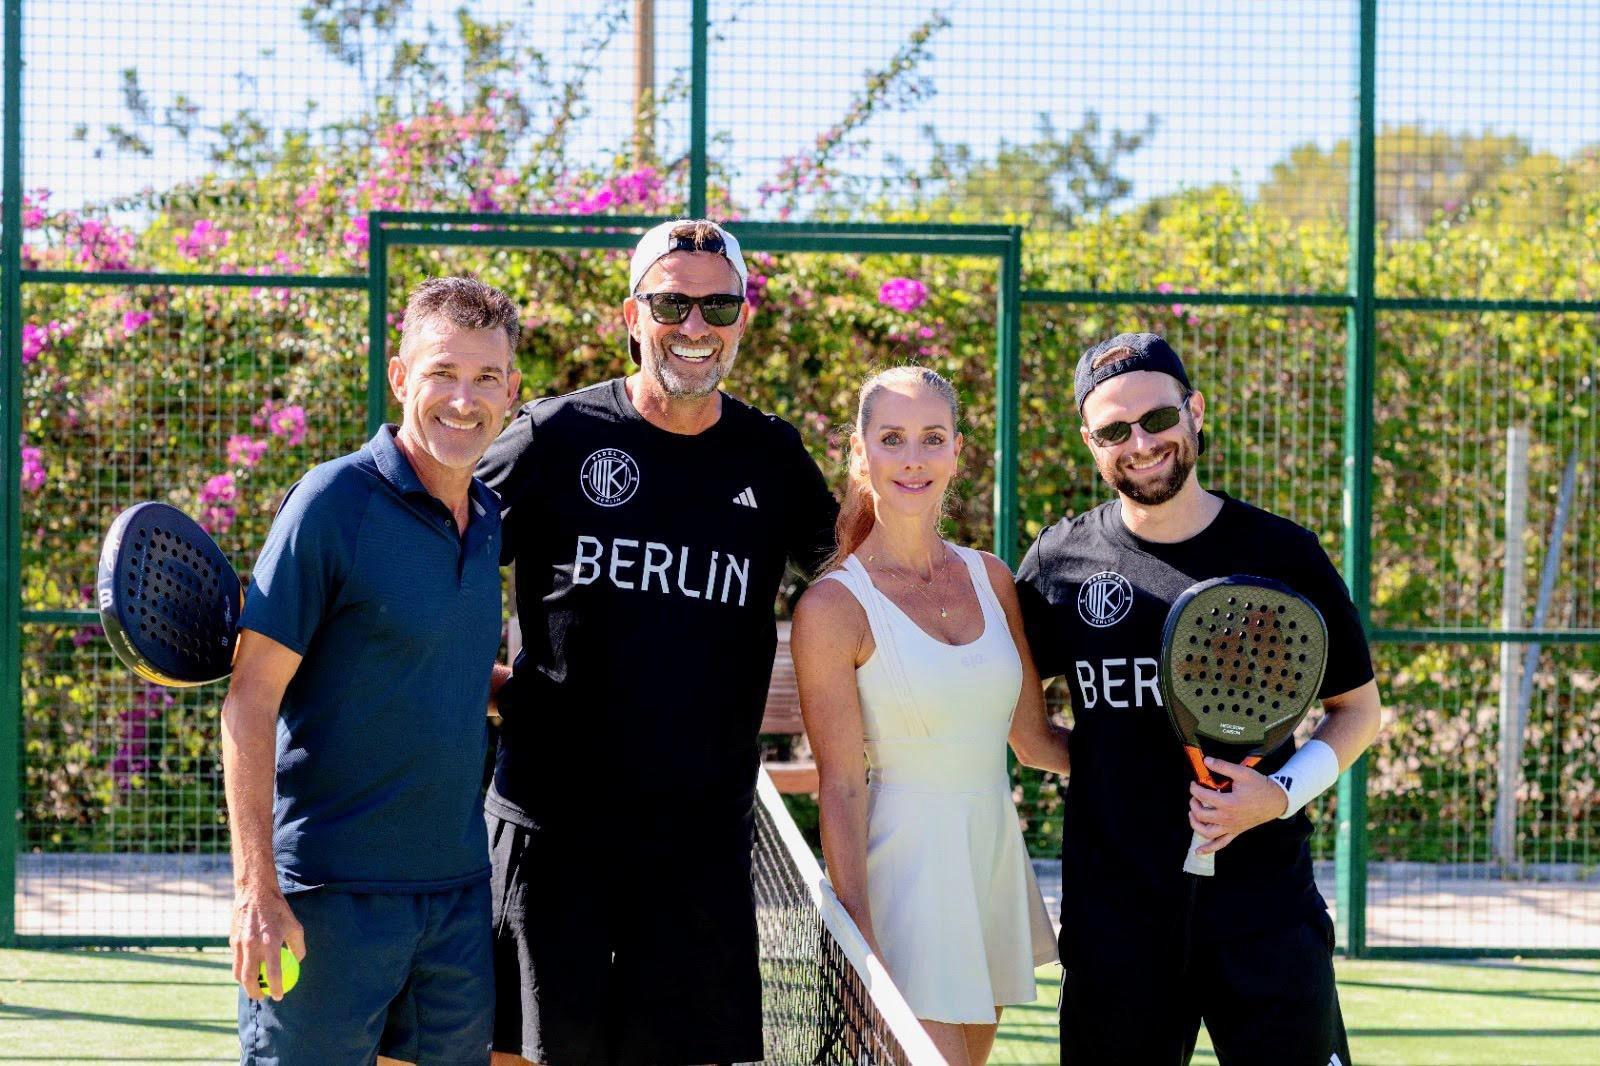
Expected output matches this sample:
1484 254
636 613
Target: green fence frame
1359 300
389 229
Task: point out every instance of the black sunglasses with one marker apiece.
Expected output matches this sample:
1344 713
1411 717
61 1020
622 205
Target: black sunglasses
1156 420
671 308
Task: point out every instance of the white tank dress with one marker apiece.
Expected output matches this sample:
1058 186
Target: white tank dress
955 906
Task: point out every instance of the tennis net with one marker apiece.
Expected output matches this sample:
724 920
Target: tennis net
825 997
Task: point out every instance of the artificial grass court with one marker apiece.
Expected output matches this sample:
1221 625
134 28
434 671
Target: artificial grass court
152 1007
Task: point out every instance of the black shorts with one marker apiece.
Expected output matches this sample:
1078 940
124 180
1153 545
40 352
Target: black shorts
615 960
1130 992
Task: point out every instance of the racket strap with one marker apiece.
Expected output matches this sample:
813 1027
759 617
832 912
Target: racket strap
1309 773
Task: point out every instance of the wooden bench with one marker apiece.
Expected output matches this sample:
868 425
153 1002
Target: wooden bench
782 718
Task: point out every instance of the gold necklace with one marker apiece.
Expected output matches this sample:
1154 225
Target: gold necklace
917 584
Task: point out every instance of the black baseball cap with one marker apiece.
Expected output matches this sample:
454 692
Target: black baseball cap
1146 351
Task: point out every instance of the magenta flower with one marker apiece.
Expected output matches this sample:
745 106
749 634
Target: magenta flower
132 320
33 215
100 246
903 294
307 196
755 290
35 340
219 489
218 519
205 239
483 201
244 450
289 423
356 236
33 472
87 635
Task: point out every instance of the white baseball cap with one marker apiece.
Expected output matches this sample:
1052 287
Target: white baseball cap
659 241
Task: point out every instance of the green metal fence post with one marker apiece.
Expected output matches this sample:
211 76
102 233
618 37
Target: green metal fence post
699 62
1351 839
377 324
1007 385
11 525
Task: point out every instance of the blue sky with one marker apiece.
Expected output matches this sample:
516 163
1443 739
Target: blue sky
1234 84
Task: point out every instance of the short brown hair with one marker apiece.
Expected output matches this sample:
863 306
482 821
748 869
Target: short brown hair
466 303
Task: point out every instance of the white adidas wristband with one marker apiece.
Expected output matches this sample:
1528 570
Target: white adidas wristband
1309 773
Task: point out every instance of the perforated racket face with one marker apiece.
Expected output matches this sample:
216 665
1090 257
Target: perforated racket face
1242 660
169 599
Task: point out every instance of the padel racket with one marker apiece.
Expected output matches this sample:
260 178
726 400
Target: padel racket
1241 662
169 599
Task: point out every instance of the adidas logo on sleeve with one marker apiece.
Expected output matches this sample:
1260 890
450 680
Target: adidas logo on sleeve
747 498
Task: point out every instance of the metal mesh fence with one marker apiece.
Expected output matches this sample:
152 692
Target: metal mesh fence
203 137
1488 152
1176 165
215 400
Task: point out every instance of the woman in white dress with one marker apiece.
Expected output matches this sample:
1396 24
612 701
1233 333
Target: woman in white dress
913 674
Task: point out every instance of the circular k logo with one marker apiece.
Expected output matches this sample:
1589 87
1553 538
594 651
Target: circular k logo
609 477
1105 599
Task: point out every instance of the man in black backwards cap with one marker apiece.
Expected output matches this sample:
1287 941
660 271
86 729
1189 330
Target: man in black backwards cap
1149 951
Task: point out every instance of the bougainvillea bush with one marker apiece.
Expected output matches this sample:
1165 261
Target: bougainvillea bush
217 398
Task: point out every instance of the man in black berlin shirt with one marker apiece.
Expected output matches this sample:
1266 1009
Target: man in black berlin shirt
1148 952
651 519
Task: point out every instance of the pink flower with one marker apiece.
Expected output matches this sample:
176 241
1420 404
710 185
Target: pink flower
926 332
219 489
1164 287
289 423
34 341
33 215
100 246
308 195
205 239
132 320
33 472
86 636
245 450
218 519
356 235
903 294
483 201
755 290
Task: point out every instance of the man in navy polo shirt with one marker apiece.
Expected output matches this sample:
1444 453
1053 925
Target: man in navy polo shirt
369 632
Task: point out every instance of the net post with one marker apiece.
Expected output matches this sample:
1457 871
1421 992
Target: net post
1351 836
10 469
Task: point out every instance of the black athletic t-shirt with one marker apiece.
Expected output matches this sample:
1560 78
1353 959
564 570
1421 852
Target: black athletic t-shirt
1094 600
647 564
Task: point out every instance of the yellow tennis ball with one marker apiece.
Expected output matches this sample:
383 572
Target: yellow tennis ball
290 968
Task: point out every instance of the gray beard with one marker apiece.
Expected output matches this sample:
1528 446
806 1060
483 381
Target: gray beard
679 386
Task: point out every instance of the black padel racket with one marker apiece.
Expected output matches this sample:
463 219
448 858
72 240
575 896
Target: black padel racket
1241 662
169 599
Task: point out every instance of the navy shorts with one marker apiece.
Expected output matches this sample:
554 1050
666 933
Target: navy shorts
404 975
601 963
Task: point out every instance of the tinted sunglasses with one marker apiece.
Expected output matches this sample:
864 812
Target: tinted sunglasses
1156 420
671 308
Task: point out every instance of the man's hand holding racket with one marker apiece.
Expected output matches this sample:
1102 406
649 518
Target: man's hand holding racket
1254 799
1242 658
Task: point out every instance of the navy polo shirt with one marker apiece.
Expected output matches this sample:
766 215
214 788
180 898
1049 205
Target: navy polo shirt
382 732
